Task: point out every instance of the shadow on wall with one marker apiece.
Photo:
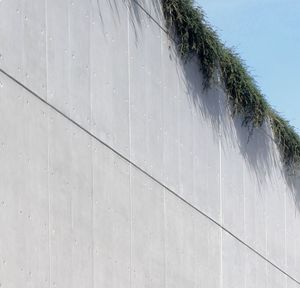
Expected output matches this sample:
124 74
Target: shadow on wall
114 8
212 104
294 184
136 7
206 102
135 19
151 8
256 147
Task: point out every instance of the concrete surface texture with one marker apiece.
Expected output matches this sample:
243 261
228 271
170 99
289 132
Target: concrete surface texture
118 170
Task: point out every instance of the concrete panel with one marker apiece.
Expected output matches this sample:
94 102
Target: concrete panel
11 32
255 168
34 196
292 232
255 214
148 253
192 247
170 104
112 219
206 146
58 55
153 8
81 184
110 75
34 41
24 245
60 195
291 283
68 203
233 262
146 113
275 204
79 62
296 227
275 278
23 45
232 171
185 127
290 222
181 270
208 252
255 270
70 186
191 160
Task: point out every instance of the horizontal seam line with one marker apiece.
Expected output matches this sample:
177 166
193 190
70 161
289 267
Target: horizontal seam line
147 174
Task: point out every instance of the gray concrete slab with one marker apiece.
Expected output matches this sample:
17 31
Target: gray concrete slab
186 120
206 148
208 252
170 160
146 90
70 188
111 219
291 284
292 223
60 200
11 31
275 215
24 247
23 49
109 76
79 63
192 247
58 55
275 278
148 232
153 8
81 185
233 262
232 171
255 270
181 270
34 46
68 203
255 194
185 139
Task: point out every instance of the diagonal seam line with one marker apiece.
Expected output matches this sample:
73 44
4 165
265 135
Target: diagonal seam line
156 22
260 129
150 16
147 174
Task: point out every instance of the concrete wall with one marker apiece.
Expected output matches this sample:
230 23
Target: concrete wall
118 170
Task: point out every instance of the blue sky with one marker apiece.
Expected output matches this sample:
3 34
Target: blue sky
266 33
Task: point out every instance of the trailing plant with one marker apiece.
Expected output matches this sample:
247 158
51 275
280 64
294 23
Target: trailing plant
196 38
287 140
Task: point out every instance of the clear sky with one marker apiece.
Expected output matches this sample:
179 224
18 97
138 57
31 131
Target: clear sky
266 33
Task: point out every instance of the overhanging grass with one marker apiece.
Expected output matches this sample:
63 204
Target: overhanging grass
195 37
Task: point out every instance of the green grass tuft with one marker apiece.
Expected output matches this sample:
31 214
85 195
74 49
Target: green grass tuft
243 93
287 140
195 37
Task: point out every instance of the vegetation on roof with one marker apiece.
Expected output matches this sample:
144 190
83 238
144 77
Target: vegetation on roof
195 37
